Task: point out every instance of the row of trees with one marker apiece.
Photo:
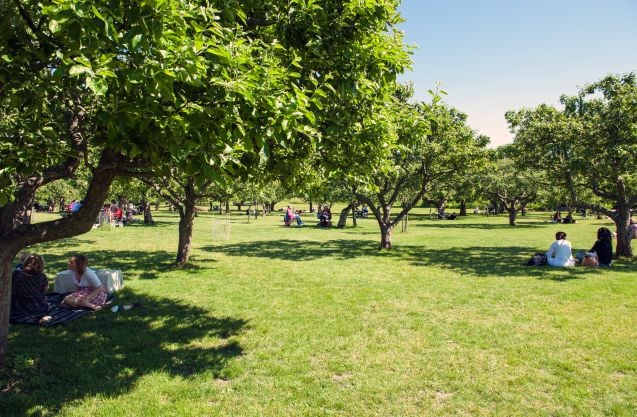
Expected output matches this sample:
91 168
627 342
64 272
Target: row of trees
193 97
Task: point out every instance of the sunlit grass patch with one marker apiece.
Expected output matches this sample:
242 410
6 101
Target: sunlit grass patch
311 322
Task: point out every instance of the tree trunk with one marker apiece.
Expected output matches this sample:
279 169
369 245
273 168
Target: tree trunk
342 218
6 257
148 216
512 215
186 221
463 207
622 223
385 237
440 204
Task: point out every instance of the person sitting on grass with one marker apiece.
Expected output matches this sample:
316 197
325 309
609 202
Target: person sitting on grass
568 219
325 217
632 229
89 292
28 286
291 214
559 254
603 247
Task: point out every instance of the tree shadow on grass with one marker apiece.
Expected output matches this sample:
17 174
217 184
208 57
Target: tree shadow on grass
106 353
294 250
489 261
65 243
485 226
156 224
477 261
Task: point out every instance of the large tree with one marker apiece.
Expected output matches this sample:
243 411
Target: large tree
591 144
432 150
210 88
511 185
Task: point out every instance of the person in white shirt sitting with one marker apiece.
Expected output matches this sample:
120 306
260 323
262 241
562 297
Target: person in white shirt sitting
89 291
560 254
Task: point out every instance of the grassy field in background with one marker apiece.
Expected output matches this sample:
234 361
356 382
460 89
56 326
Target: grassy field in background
276 321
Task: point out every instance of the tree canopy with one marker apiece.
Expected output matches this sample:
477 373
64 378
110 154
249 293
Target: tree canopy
589 145
214 89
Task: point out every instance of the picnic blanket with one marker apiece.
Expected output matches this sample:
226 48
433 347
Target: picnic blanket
59 315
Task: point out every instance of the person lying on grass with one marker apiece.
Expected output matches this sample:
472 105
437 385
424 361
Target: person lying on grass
89 292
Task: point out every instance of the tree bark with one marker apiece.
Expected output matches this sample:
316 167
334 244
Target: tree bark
385 236
513 213
440 204
463 207
6 257
622 225
148 215
342 218
187 211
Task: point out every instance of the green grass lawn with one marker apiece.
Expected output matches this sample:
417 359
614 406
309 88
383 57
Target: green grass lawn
276 321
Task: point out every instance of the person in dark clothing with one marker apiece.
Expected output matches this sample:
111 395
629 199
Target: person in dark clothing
568 219
28 286
603 246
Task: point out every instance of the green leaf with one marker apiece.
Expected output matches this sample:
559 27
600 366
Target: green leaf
97 85
136 41
78 69
54 26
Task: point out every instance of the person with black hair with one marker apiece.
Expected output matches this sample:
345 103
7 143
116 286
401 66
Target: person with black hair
559 254
603 247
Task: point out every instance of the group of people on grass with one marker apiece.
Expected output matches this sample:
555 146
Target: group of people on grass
601 254
323 214
29 286
557 218
113 213
560 251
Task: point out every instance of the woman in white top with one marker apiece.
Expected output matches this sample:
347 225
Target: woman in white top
559 254
89 292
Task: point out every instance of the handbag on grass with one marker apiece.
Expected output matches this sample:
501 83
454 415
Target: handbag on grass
590 259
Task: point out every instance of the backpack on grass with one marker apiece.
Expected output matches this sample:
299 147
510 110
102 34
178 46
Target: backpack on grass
539 259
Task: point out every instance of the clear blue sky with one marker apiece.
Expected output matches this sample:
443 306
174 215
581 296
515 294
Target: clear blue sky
497 55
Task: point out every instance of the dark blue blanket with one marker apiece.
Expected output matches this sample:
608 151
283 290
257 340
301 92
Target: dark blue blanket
58 314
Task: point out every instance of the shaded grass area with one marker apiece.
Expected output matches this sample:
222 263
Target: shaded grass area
275 321
107 354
